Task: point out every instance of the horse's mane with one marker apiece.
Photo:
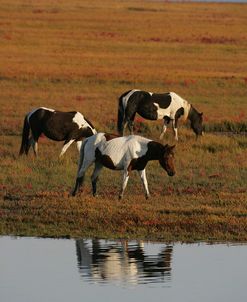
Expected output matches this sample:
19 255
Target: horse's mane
187 107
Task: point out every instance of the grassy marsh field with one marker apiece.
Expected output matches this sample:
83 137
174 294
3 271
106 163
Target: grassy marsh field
82 55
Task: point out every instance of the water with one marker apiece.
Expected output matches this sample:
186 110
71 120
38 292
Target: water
35 270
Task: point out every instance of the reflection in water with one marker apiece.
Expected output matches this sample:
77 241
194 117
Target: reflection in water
38 270
123 261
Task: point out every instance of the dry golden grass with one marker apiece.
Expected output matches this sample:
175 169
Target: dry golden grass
81 55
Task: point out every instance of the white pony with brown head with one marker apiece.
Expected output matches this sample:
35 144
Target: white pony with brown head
122 153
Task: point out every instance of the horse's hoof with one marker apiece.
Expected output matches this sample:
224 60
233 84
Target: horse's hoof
147 196
120 197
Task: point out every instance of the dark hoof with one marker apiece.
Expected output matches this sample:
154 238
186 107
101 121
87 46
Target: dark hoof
73 193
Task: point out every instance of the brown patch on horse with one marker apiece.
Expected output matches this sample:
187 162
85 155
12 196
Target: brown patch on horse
105 160
138 163
155 151
110 136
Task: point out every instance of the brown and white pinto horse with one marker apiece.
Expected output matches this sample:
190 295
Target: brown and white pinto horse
122 153
153 106
56 125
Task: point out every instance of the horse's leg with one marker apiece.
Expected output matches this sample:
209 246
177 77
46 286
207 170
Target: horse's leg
78 144
129 117
80 175
66 145
95 176
34 140
166 122
124 184
35 148
175 129
78 183
29 144
131 124
124 127
34 143
142 174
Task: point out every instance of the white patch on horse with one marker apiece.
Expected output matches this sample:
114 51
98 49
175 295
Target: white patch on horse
126 98
87 151
49 109
80 121
187 107
180 102
65 147
78 144
142 174
122 150
34 110
162 111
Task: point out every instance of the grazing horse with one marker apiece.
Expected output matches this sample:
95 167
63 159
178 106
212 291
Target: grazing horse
152 106
125 153
56 125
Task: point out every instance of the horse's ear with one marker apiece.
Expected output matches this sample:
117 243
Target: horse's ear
172 147
201 114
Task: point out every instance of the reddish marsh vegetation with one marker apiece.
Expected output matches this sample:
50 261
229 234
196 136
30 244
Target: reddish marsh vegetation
81 56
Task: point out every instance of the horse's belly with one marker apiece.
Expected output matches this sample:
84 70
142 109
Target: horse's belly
162 112
62 132
55 134
148 112
113 159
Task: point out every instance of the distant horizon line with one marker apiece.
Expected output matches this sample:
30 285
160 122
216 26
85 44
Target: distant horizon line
208 1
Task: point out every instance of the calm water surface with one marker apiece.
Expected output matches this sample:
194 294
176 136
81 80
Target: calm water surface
50 270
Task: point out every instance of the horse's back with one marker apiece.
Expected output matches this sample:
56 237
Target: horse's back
39 112
121 150
126 142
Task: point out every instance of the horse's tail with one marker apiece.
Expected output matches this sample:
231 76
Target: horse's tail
81 156
121 113
80 174
25 136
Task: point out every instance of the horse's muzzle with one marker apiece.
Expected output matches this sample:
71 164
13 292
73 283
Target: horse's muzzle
171 173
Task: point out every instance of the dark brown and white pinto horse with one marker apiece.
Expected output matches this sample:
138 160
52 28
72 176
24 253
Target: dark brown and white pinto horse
153 106
56 125
122 153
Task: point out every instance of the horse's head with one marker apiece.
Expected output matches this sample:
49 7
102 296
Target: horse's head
166 161
196 123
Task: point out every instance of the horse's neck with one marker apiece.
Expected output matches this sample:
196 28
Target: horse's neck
155 150
192 114
187 109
